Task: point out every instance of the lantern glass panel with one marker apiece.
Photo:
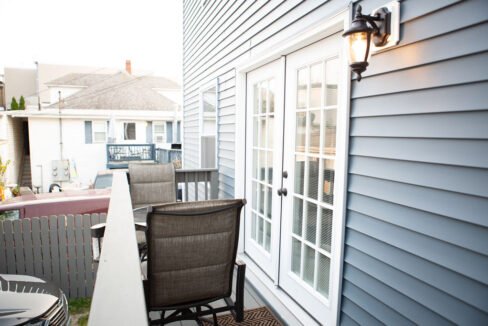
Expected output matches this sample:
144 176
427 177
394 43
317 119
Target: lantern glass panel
358 47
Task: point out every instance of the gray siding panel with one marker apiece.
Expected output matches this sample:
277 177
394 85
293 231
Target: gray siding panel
443 99
416 225
458 259
462 70
432 274
469 153
465 235
453 178
437 301
400 302
460 125
384 313
360 316
445 20
432 50
458 206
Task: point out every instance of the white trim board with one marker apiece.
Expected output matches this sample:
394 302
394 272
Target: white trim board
276 297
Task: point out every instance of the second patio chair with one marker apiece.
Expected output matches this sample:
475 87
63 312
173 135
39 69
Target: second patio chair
192 250
152 184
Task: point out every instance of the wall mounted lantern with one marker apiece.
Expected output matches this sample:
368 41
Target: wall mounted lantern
370 33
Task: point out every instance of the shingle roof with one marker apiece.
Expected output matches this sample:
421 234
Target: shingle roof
76 79
119 91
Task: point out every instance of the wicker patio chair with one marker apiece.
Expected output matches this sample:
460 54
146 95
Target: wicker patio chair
192 250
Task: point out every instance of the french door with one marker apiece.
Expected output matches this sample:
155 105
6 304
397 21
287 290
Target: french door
292 167
264 165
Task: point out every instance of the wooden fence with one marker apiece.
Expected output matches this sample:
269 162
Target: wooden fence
55 248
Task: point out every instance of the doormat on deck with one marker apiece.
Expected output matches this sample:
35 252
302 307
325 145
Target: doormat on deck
255 317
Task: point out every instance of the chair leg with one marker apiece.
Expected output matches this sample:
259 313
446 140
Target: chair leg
215 321
239 303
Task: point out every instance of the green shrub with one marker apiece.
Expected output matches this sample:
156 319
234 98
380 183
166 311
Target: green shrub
14 105
22 103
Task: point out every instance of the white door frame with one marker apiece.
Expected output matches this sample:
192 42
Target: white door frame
340 21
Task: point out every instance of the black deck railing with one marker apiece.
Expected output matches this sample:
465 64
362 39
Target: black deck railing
119 155
164 155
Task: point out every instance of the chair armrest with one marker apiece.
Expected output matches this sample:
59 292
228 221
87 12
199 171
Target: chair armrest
141 226
239 263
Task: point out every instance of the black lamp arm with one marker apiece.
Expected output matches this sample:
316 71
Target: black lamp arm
370 19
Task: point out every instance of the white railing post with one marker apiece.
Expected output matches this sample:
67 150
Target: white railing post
118 298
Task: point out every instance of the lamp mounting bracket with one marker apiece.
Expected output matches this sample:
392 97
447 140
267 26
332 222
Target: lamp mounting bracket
380 21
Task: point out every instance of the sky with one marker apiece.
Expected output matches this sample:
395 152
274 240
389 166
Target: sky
97 33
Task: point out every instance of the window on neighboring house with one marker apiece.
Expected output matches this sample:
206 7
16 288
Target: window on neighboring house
99 131
169 132
159 132
129 131
95 132
178 132
208 127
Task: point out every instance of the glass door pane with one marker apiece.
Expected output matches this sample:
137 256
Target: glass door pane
264 165
262 179
313 191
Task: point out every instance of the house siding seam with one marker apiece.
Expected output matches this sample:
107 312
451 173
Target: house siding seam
416 244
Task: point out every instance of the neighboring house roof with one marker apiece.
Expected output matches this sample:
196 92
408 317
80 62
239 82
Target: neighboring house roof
119 91
77 79
50 72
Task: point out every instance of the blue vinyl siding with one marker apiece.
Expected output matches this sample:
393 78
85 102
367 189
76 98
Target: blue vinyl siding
416 240
416 245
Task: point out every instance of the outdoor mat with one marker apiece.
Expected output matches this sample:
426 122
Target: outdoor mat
255 317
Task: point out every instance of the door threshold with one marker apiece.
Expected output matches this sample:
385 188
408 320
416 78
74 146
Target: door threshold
285 308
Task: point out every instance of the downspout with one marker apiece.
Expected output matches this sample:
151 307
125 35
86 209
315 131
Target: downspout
60 128
38 87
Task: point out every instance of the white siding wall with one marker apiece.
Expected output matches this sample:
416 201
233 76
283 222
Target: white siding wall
11 130
15 144
44 146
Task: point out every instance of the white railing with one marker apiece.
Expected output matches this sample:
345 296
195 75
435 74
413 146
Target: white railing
118 298
197 184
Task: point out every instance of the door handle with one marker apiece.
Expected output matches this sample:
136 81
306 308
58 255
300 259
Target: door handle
282 192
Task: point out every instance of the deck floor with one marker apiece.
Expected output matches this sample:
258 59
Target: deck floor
251 301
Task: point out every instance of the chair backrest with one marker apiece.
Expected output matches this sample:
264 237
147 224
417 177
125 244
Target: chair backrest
192 249
152 184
